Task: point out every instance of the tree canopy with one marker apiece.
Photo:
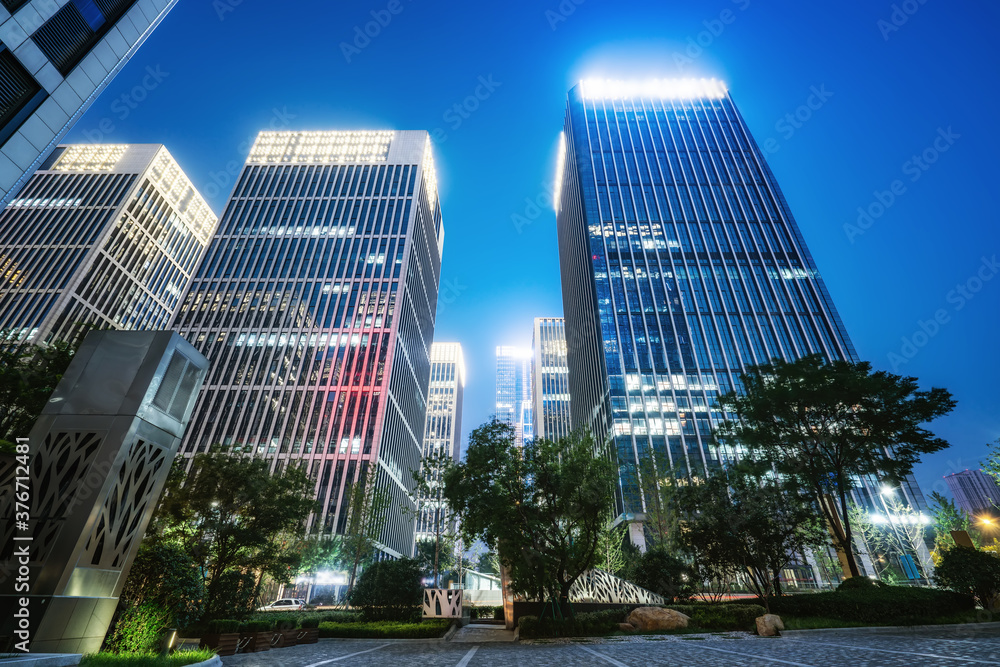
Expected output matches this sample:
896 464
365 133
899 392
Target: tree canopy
826 424
28 376
544 506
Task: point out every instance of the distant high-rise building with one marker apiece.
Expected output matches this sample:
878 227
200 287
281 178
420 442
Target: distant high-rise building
682 266
316 305
56 57
102 236
550 379
514 404
443 432
974 491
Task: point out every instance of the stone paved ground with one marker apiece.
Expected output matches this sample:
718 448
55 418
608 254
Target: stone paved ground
930 648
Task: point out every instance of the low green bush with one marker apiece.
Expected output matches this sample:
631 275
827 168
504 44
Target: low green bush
887 605
486 611
339 617
176 659
860 583
250 627
222 626
389 590
721 616
139 629
308 623
971 572
586 624
427 629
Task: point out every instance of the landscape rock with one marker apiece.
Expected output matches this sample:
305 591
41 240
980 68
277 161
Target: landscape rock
768 625
626 627
657 618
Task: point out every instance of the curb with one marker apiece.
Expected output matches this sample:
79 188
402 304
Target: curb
44 660
897 629
214 661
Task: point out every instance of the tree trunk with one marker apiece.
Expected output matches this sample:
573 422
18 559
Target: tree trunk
841 539
848 535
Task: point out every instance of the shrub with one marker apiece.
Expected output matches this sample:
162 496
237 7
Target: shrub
251 627
971 572
139 629
222 626
859 583
721 616
307 623
389 591
887 605
165 574
587 624
428 629
486 611
339 617
664 574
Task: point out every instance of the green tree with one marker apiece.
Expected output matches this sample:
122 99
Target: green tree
235 519
164 574
743 519
389 591
611 548
991 466
826 424
544 505
431 506
665 574
948 517
659 484
973 572
365 512
28 376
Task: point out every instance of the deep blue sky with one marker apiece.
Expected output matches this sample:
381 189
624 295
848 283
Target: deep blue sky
224 79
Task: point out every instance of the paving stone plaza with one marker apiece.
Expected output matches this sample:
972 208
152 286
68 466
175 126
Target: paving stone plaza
810 648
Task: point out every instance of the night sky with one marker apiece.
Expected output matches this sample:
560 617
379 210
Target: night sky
903 125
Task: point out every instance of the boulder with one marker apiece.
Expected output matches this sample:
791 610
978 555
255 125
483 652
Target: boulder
626 627
657 618
768 625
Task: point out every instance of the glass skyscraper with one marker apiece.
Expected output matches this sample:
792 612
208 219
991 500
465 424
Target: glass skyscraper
315 305
682 266
550 379
443 431
103 236
56 57
514 391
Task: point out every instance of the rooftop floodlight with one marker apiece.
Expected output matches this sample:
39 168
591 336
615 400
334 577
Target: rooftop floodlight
653 88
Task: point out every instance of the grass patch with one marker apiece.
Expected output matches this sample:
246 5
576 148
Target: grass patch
178 659
428 629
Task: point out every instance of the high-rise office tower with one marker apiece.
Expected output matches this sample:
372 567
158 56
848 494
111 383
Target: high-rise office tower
682 265
514 404
550 379
103 236
443 431
974 491
316 305
56 57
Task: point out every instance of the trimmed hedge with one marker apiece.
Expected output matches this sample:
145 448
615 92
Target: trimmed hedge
721 616
222 626
486 611
339 617
250 627
887 605
587 624
860 583
428 629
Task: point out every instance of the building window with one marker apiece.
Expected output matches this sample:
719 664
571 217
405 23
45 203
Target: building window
13 5
72 31
20 94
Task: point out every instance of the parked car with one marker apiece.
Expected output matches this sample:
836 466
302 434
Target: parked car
285 604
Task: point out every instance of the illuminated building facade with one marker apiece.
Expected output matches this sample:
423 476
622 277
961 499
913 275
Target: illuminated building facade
103 236
56 57
682 266
443 431
514 404
315 304
550 379
975 492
